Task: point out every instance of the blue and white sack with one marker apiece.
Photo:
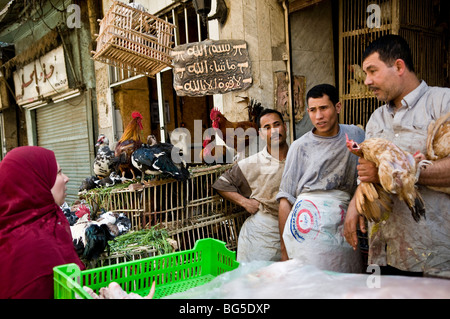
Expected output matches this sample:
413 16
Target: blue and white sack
314 232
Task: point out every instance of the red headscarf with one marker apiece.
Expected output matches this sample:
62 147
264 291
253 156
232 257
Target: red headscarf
34 233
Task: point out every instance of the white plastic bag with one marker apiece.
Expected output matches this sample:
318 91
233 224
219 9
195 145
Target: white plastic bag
314 232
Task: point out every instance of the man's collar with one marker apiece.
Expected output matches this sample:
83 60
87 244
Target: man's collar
411 99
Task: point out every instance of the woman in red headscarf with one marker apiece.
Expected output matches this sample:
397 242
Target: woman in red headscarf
34 233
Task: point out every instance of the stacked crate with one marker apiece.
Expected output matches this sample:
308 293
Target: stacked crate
189 210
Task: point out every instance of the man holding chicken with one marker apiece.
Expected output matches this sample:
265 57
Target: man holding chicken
252 183
398 244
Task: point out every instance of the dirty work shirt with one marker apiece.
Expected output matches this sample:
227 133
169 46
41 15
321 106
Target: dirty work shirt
316 163
257 177
398 240
319 179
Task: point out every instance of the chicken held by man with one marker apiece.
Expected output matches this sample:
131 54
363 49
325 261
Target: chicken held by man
127 144
438 144
398 173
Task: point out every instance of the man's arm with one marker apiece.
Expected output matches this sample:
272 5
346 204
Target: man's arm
249 204
283 213
352 220
436 174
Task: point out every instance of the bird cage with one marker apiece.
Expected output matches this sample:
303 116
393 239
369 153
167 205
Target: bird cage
134 40
188 210
361 22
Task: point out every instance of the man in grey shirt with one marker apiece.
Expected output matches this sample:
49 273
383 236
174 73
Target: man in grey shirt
398 244
318 181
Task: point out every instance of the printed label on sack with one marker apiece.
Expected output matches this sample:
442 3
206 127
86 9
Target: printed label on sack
305 221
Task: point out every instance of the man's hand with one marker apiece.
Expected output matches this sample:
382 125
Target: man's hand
367 171
352 220
283 213
251 205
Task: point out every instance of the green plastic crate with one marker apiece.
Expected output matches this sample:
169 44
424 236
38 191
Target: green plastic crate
174 272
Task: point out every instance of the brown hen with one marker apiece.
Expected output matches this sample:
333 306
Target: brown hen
398 174
438 143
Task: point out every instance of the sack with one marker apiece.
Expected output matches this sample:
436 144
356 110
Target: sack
314 231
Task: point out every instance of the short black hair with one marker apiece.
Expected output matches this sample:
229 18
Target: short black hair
391 47
320 90
265 112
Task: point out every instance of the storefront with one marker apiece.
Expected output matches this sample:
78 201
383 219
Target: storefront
58 117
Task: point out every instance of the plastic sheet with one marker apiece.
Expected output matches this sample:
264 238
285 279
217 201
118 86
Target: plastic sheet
294 280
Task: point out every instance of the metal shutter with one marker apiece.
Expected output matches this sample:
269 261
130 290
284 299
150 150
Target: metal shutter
63 128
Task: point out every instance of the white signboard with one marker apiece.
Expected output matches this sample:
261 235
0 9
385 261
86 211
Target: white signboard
43 77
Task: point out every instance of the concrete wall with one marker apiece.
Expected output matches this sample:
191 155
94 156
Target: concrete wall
312 50
261 24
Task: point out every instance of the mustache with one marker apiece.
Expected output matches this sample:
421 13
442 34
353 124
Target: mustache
276 135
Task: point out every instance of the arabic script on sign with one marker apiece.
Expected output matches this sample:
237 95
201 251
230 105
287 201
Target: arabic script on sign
211 67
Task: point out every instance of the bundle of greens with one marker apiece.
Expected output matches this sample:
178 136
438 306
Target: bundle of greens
145 239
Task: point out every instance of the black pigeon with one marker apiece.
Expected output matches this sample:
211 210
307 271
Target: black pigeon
109 181
89 183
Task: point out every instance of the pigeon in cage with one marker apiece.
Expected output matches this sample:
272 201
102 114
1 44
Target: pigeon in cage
110 180
88 183
105 160
90 238
123 224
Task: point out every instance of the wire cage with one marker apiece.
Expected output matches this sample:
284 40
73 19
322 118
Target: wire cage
189 210
134 40
361 22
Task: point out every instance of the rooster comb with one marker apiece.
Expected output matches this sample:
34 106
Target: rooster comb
214 113
82 210
136 114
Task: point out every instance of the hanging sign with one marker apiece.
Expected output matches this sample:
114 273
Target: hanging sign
211 67
41 78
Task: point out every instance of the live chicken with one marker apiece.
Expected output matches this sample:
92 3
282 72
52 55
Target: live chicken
398 173
105 160
90 238
438 143
241 132
155 158
438 139
128 143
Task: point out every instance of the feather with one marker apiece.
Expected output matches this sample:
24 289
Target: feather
397 171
